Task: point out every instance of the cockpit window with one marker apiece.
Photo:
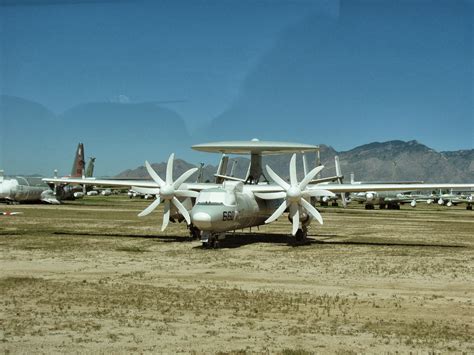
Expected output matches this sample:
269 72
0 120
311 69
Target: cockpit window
211 198
220 197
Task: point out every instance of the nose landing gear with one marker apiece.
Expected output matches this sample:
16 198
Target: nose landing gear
211 240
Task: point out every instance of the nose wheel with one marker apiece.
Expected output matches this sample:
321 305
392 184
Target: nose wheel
211 241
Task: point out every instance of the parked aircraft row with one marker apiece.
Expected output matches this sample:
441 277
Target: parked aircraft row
16 189
212 209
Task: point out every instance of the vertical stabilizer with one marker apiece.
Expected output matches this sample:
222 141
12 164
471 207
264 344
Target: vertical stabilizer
222 169
79 163
305 164
200 176
339 179
232 169
90 167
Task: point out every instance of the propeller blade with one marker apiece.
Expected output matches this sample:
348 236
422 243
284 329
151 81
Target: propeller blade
150 208
166 215
311 210
293 178
295 215
154 175
169 170
184 177
318 193
270 195
186 193
279 211
310 176
278 180
182 210
146 190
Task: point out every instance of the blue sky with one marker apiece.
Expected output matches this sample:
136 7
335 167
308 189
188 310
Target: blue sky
339 73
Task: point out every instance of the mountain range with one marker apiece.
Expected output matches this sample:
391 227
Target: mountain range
115 132
386 161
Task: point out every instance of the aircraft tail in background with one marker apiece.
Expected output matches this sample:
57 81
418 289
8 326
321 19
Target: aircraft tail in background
79 162
90 167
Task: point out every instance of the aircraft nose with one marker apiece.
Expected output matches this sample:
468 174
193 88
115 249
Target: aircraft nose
202 220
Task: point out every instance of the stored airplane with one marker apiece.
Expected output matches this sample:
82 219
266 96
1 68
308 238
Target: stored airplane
212 209
451 199
21 189
16 189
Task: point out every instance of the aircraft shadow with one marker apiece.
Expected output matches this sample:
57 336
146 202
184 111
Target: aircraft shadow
164 238
241 239
237 240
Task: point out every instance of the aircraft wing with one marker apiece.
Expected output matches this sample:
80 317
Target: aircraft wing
338 188
124 183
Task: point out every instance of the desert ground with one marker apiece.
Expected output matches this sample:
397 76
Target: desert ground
90 276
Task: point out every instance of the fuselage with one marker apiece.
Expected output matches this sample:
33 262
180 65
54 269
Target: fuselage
24 189
228 208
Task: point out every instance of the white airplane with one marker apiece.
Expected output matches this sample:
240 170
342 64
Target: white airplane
16 189
212 209
452 199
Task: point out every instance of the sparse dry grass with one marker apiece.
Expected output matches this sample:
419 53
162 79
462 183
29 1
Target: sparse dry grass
91 276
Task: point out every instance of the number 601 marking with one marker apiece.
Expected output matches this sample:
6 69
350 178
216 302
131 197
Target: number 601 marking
228 215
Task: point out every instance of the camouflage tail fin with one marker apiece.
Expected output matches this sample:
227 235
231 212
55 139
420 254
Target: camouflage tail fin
90 167
79 163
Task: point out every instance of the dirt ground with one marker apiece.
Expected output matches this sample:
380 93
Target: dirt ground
91 276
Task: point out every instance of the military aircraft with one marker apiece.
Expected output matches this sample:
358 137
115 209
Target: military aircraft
452 199
384 199
21 189
71 191
16 189
212 209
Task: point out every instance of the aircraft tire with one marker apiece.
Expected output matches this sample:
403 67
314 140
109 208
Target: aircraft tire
469 207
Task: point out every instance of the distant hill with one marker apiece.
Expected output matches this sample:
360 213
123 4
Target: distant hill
392 160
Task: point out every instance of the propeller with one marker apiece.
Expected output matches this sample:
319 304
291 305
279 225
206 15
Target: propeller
168 191
294 195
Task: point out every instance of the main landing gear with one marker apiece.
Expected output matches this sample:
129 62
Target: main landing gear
301 235
194 232
469 207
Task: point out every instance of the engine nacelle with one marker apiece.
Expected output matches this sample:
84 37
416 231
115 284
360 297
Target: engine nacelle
440 202
92 193
106 192
370 196
413 203
449 204
148 197
325 198
429 201
78 194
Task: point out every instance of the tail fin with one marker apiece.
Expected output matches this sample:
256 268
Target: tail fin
222 168
339 179
90 167
79 163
